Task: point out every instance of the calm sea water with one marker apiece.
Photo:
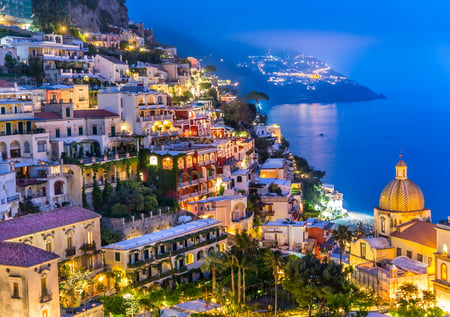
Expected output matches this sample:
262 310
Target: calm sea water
361 142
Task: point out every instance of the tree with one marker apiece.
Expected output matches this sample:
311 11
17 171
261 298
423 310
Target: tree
311 281
343 236
10 63
97 199
119 210
275 260
210 69
84 197
72 285
213 262
257 96
409 304
28 207
36 69
107 192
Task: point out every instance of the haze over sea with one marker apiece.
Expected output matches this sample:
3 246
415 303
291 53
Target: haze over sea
400 48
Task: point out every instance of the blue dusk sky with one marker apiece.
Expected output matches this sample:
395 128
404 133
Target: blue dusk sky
388 39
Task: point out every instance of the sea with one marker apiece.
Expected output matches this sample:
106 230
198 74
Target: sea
359 143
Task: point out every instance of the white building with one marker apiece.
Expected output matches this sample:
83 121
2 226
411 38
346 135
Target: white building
112 69
9 197
290 235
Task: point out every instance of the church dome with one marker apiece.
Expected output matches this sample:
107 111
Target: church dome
402 194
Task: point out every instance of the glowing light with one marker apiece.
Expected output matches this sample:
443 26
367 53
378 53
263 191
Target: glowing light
153 160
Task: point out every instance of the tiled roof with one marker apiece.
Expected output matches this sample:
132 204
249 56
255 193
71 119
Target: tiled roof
47 115
5 84
43 221
419 232
94 113
24 255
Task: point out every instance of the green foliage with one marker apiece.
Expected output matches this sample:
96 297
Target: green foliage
239 114
107 192
72 284
114 304
274 188
109 236
36 69
409 304
262 148
97 199
205 86
210 69
49 15
84 197
343 236
28 207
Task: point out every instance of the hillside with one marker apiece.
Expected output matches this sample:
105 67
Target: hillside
88 15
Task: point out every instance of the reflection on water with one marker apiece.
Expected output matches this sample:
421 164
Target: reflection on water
361 142
311 129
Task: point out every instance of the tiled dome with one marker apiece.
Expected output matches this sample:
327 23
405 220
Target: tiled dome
402 194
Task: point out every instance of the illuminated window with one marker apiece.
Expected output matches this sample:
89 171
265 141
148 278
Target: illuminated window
188 161
206 157
383 224
211 157
90 237
363 250
180 163
445 248
153 160
48 246
167 163
443 272
44 290
222 247
200 159
45 313
69 242
189 258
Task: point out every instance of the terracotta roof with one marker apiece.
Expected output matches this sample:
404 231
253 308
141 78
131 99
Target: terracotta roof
420 232
5 84
24 255
95 113
44 221
47 115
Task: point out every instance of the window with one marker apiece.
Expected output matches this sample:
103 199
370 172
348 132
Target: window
167 163
409 254
69 242
15 293
58 133
363 250
399 252
80 130
443 272
90 237
48 246
59 188
146 254
44 286
42 146
180 163
189 258
45 313
67 112
94 130
69 131
419 257
3 110
26 147
239 179
383 224
117 256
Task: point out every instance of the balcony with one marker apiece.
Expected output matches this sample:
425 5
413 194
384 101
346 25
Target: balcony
71 251
247 215
140 262
13 198
46 297
88 247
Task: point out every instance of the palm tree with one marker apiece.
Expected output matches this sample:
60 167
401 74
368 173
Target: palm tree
275 260
343 236
229 261
212 262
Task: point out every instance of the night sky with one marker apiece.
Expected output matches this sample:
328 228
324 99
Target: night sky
376 43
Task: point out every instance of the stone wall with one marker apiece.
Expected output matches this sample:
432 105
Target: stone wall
146 223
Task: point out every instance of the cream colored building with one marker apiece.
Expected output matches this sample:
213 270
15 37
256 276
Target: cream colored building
441 283
73 233
111 69
370 250
230 209
400 201
28 281
152 257
290 235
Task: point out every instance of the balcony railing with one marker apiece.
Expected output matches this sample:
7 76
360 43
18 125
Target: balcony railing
46 297
71 251
247 215
13 198
88 247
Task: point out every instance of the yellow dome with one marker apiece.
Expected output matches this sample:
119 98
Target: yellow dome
402 194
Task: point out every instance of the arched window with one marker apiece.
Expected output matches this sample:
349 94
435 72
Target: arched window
180 163
167 163
200 255
14 149
59 188
443 272
189 258
26 147
383 224
188 161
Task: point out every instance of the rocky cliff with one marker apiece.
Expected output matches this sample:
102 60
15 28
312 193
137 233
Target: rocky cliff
97 15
